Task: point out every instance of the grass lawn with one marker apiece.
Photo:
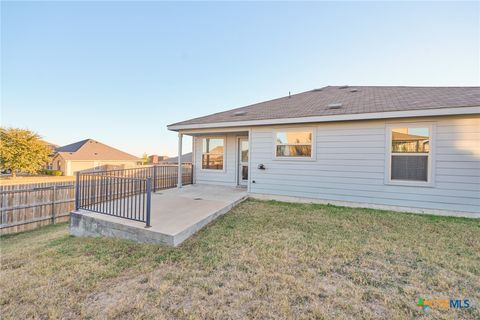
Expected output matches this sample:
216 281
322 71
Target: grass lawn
264 260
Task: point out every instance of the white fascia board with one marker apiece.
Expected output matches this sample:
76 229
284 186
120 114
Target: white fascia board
341 117
221 130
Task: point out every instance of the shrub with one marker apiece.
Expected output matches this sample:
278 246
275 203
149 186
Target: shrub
52 172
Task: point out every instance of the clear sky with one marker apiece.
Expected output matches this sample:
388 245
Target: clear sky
119 72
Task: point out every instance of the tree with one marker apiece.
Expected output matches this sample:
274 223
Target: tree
22 150
145 158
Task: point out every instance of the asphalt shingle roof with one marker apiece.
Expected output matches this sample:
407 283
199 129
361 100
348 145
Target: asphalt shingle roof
353 100
90 149
73 147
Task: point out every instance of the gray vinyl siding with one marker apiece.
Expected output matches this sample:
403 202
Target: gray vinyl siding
350 166
228 177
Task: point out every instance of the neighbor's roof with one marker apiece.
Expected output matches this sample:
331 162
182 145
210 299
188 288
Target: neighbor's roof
187 157
346 100
90 149
400 136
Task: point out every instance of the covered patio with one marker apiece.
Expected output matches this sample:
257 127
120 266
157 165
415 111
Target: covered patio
175 215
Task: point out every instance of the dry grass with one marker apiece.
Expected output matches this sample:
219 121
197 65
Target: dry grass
264 260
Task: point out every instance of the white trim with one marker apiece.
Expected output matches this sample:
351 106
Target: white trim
431 154
179 161
68 167
342 117
227 131
249 183
224 154
194 159
238 162
313 155
235 137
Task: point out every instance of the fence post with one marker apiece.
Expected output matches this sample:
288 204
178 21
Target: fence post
191 174
54 198
154 178
77 191
149 200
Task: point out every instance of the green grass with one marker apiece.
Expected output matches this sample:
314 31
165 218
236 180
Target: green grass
264 259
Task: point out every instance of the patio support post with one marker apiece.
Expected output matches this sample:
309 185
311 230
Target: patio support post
180 140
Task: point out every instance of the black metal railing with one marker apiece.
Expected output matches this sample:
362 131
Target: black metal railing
127 198
163 176
126 193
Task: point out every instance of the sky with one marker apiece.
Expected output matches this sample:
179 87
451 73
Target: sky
119 72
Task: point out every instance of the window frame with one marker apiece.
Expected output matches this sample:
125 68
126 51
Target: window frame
312 157
224 153
431 154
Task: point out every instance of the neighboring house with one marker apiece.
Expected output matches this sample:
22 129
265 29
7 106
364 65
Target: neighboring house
51 155
156 159
51 146
186 158
91 155
401 148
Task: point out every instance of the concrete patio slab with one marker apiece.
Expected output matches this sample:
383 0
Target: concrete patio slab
176 215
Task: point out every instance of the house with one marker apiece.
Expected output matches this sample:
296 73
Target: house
89 154
156 159
400 148
51 146
186 158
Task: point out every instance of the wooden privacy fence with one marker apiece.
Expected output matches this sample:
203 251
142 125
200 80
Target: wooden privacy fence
28 206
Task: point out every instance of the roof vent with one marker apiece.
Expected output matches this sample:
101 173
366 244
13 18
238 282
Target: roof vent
343 87
334 106
353 90
315 90
239 113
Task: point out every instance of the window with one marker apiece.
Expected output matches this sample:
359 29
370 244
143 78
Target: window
213 153
410 153
294 144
